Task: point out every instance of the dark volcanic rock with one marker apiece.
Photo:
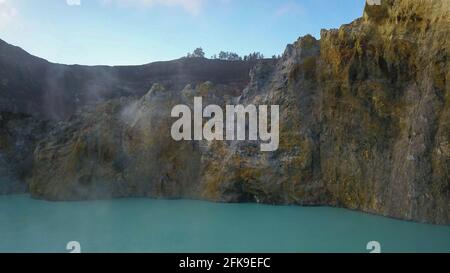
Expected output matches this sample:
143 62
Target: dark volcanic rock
54 91
18 136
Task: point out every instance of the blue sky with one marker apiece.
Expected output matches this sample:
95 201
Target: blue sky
118 32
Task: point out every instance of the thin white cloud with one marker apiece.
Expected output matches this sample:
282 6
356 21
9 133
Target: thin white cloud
73 2
192 6
289 8
7 13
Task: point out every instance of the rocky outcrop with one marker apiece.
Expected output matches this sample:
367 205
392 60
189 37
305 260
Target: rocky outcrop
291 175
364 125
122 148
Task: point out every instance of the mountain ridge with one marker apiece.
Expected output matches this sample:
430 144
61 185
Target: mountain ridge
32 85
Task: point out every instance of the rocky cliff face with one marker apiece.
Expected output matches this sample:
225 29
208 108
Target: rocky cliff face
385 111
19 134
363 125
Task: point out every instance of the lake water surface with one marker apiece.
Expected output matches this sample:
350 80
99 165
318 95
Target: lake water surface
145 225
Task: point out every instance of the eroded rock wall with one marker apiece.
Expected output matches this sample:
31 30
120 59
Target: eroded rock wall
19 134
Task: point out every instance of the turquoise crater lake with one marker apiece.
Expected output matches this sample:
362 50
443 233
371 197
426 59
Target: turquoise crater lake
145 225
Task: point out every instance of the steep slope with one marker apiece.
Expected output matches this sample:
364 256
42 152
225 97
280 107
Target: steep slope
385 106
